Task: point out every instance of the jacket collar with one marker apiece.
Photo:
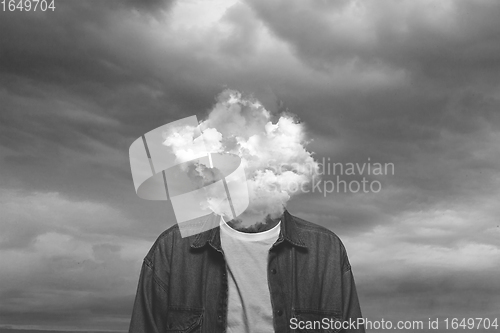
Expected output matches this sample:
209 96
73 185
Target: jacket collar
288 232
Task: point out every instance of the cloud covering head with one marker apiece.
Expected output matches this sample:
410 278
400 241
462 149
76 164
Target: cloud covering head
272 149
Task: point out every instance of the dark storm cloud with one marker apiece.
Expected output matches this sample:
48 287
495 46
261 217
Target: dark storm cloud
448 52
72 50
151 6
71 96
443 36
434 290
67 261
63 122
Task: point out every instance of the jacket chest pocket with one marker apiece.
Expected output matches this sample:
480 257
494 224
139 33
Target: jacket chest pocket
315 321
184 320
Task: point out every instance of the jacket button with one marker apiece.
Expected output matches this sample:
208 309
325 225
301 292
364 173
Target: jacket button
273 271
219 318
279 312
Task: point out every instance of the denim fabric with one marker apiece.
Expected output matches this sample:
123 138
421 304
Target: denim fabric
183 282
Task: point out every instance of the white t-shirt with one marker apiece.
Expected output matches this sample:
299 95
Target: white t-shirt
249 300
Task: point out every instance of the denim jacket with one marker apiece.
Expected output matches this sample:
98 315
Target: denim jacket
183 285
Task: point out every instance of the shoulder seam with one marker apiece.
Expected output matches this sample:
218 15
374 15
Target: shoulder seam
322 230
160 238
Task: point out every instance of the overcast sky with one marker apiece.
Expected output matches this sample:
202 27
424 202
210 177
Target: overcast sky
413 83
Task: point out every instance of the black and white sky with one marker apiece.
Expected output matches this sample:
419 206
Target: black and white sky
415 83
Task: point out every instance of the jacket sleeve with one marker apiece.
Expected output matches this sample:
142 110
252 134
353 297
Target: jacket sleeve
151 301
351 309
